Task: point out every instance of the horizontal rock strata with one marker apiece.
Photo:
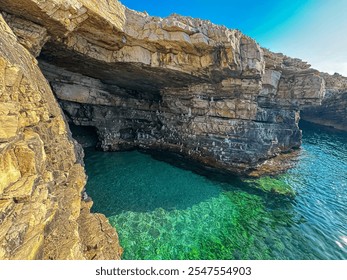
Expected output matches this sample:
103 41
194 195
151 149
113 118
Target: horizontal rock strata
178 83
333 111
175 84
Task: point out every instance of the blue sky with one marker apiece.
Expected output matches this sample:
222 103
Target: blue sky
313 30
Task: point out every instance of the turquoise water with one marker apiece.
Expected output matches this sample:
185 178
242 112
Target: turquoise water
165 212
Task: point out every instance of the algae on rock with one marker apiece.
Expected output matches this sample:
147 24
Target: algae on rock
271 185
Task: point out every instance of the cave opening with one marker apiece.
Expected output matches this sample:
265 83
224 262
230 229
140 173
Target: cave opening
86 136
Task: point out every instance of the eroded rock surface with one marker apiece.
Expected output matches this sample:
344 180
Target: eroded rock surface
180 84
333 111
42 215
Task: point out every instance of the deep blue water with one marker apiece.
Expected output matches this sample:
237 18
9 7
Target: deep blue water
162 211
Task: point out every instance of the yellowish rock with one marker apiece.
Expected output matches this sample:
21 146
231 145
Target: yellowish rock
40 181
22 189
9 170
13 76
8 120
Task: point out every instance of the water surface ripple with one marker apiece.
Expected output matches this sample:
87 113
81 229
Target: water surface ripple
165 212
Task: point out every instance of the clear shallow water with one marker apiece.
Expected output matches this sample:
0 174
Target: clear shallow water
165 212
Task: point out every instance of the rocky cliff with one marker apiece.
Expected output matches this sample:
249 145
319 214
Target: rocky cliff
42 214
176 84
333 111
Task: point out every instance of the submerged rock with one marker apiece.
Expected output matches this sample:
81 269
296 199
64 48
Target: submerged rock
271 185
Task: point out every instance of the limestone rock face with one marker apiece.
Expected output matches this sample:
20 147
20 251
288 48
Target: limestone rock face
42 215
178 83
29 34
175 84
333 111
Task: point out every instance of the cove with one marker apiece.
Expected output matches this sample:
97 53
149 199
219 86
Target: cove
162 211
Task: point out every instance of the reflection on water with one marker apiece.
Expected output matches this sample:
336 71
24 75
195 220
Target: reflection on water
165 212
